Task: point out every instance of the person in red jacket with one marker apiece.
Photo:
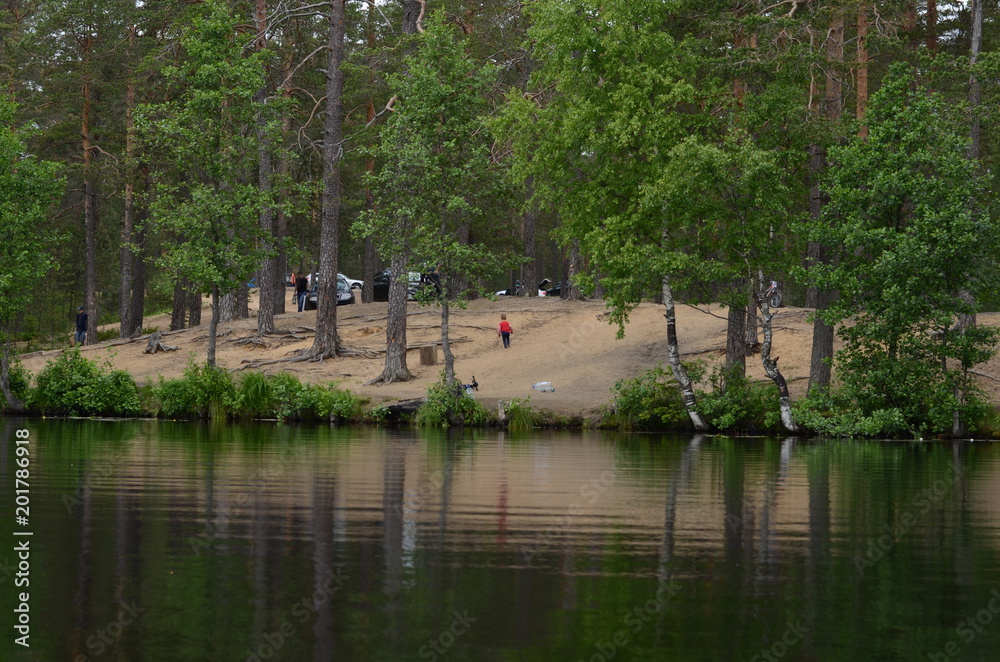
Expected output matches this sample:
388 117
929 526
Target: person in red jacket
505 330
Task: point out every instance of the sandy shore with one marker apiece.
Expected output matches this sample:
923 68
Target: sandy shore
568 343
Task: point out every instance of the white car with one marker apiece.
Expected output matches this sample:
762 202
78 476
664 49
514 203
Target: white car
354 283
313 279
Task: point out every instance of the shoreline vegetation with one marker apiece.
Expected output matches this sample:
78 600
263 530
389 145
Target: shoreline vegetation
643 395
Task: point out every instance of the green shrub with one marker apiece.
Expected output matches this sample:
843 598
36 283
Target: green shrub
650 401
203 391
520 416
450 405
19 380
107 334
328 403
254 396
74 385
735 404
378 415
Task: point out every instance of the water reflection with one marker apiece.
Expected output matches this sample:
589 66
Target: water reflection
164 541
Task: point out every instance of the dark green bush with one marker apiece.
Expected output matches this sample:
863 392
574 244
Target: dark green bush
449 405
735 404
19 381
648 402
74 385
203 391
520 416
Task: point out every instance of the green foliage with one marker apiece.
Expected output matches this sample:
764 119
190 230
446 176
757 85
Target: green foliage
76 386
28 187
437 173
520 416
203 391
378 415
735 404
210 392
449 405
650 401
20 383
254 396
206 134
914 249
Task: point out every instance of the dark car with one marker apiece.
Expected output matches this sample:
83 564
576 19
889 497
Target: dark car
380 285
344 294
554 291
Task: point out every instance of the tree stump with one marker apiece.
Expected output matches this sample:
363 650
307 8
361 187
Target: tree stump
429 355
154 345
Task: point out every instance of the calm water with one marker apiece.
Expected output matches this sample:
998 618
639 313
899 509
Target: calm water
182 542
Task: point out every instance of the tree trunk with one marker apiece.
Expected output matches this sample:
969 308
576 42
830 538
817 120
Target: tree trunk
674 359
213 325
227 306
529 270
89 221
180 306
750 331
125 254
932 16
13 404
975 142
411 11
325 342
771 368
862 93
194 306
267 274
570 290
449 356
395 326
138 301
736 362
822 341
284 169
242 302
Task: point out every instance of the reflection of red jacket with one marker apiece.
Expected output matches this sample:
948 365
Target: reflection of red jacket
505 327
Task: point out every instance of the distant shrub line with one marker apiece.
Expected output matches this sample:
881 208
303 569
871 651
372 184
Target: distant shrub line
71 385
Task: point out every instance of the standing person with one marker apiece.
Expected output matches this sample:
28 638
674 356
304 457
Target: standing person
504 331
81 327
301 288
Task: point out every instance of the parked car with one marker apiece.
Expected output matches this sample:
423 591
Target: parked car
554 291
344 294
518 288
353 282
380 285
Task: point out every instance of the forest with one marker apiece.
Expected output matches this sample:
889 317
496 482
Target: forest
676 151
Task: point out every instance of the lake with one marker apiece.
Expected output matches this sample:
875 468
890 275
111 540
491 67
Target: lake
154 540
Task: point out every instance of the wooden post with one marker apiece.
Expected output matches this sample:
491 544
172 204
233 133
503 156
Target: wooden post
428 355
